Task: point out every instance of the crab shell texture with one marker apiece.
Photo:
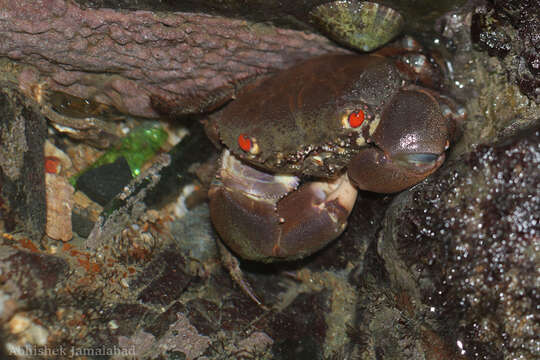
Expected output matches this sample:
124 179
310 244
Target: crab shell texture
337 120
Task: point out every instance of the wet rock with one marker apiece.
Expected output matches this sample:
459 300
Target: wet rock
104 182
410 335
183 337
166 288
234 309
495 107
512 28
464 245
490 35
257 342
22 182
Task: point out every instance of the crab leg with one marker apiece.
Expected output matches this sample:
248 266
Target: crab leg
231 263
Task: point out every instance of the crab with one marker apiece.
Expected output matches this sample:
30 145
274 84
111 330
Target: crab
299 145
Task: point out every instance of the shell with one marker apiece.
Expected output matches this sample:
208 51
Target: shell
361 25
296 116
59 197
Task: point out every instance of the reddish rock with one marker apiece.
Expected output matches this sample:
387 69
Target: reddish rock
184 62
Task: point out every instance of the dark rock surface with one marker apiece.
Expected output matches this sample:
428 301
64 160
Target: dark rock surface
81 224
22 181
104 182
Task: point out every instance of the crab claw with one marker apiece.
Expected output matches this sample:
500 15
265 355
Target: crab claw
266 217
407 146
372 170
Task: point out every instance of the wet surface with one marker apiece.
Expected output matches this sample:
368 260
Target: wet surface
465 244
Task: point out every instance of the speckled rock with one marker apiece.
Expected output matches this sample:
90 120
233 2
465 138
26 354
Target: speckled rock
464 247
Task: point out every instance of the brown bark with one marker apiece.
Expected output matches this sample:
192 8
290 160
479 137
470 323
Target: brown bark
182 62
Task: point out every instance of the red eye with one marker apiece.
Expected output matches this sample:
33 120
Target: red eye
356 118
244 142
